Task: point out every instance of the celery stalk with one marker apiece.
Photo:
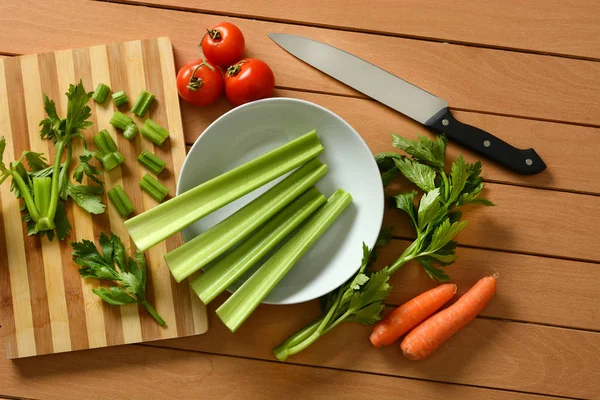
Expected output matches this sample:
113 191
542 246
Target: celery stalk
119 98
244 301
168 218
126 124
101 93
108 153
210 244
154 132
42 189
224 272
154 188
143 103
119 199
152 162
120 120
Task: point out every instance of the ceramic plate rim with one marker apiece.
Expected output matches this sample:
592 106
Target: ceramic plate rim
370 242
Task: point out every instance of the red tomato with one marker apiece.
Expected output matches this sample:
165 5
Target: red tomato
223 44
199 83
249 80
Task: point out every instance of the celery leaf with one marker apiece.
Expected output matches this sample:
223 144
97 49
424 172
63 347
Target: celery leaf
111 263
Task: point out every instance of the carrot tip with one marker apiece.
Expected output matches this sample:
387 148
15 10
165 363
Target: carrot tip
410 356
455 287
496 275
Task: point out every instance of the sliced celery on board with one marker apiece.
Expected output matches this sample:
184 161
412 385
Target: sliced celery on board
154 132
108 153
154 188
168 218
210 244
120 201
143 103
152 162
238 307
101 93
227 270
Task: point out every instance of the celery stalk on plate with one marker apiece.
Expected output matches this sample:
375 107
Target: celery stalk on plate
227 270
244 301
168 218
210 244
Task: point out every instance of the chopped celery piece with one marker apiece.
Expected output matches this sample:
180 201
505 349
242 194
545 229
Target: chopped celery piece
119 98
42 192
143 103
119 199
131 132
244 301
108 153
168 218
101 93
227 270
120 120
124 123
154 188
210 244
154 132
152 162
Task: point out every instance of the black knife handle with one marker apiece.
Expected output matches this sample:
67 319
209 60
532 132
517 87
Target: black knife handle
526 162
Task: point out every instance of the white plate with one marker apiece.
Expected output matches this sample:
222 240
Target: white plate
251 130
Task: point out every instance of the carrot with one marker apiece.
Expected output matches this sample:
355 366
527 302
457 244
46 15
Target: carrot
411 314
432 333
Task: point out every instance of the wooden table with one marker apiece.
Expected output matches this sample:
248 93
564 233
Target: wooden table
528 72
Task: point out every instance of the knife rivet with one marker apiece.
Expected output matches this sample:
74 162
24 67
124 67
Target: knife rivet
445 122
487 143
528 161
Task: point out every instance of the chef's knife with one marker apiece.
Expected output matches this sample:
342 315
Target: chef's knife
408 99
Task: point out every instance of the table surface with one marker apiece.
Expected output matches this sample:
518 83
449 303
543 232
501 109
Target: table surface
529 73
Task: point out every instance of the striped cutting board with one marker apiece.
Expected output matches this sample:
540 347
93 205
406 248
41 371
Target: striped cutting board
45 306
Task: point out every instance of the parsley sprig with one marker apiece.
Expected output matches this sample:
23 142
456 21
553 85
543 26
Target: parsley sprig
128 273
435 219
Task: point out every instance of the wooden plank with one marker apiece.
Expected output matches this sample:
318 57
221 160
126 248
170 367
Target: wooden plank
519 223
527 220
490 353
49 310
191 313
511 24
168 374
160 278
50 250
468 77
530 288
93 321
117 62
374 122
20 328
100 73
540 287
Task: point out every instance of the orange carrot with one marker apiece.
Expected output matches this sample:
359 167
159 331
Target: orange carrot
411 314
432 333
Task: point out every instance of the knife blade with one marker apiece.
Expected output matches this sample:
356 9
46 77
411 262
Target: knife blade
408 99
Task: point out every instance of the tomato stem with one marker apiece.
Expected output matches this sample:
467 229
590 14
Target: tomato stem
196 83
235 69
214 34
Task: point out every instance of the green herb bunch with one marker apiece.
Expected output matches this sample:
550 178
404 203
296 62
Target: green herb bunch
44 188
435 218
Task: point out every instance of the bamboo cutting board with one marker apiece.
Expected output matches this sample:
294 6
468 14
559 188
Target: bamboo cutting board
45 305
